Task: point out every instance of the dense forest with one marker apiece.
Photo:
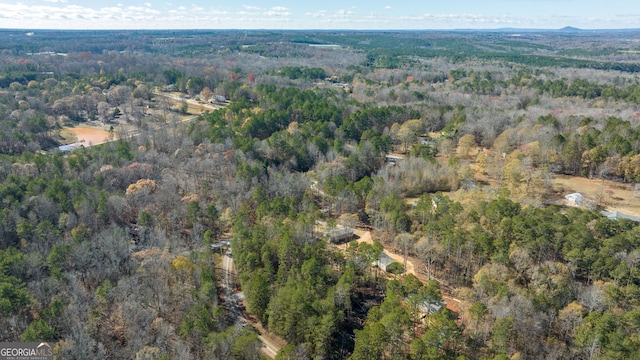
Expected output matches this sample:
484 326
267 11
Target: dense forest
443 150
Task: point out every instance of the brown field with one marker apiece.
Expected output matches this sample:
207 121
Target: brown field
84 135
615 196
610 195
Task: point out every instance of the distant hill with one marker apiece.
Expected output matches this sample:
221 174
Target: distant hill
570 29
566 30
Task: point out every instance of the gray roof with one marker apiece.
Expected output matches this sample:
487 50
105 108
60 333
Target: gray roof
615 215
67 148
431 307
339 233
383 261
221 244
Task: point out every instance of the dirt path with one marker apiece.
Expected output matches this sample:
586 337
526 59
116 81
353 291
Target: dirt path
365 236
178 98
270 343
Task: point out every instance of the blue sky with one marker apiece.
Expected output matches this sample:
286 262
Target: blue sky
327 14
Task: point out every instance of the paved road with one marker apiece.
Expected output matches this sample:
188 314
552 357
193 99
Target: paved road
233 304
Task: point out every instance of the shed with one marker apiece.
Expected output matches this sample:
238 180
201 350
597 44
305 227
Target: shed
575 199
383 261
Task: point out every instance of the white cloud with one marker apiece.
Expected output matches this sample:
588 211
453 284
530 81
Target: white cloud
342 13
54 14
141 10
317 14
277 11
76 17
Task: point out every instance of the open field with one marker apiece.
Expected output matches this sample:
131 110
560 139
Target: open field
615 196
84 135
610 195
97 133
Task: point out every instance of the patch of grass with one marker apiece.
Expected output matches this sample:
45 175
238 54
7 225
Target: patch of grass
68 137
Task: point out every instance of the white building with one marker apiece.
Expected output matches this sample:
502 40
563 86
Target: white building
383 261
575 199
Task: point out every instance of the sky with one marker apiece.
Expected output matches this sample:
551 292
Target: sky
323 14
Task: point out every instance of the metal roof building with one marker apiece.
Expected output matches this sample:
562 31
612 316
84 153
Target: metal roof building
383 261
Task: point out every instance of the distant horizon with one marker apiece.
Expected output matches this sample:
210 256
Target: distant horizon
326 15
567 28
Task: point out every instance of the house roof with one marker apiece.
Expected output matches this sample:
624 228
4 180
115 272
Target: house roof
615 215
383 261
339 233
67 148
576 198
431 306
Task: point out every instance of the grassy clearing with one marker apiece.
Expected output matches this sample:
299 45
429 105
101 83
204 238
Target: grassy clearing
611 195
67 136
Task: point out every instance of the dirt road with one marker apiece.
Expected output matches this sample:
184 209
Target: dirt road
365 236
453 303
269 347
178 98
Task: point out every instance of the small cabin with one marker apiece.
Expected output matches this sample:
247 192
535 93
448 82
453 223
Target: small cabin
383 261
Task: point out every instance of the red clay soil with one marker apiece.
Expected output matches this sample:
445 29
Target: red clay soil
88 136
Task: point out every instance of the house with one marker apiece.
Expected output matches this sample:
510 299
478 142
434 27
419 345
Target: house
217 99
430 307
339 234
383 261
575 199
